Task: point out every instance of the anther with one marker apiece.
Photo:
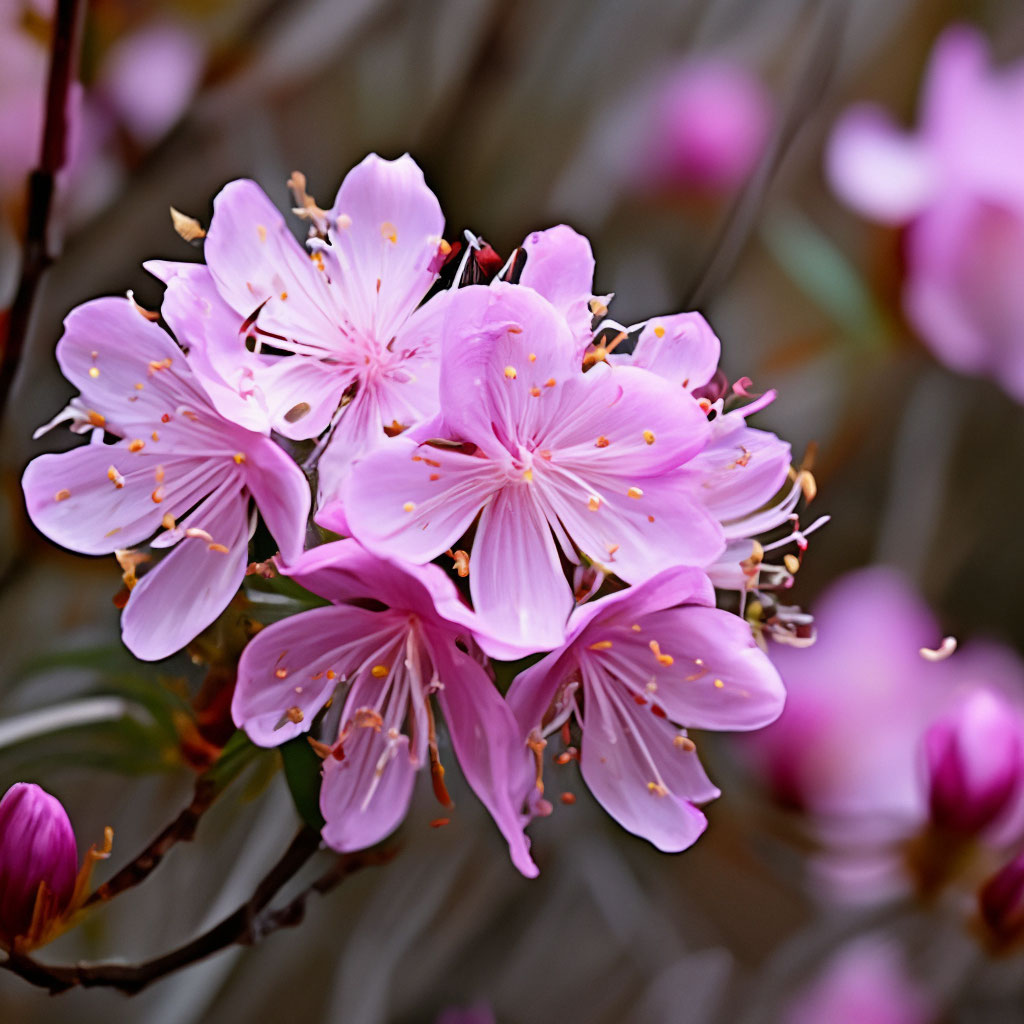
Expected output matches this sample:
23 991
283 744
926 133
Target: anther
155 436
389 231
510 372
535 392
663 659
533 357
221 549
550 382
157 496
649 436
602 442
94 372
659 331
409 506
294 715
568 799
601 645
379 671
239 458
719 684
684 743
97 419
593 503
62 495
168 521
115 478
657 789
136 446
635 492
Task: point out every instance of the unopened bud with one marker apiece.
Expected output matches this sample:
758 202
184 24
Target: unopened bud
975 759
38 863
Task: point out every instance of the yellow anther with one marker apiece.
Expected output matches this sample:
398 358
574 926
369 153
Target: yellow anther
379 671
409 506
62 495
528 476
284 295
239 458
635 492
550 382
535 392
533 357
331 674
155 436
136 446
659 331
649 436
157 496
97 419
294 715
719 684
389 231
593 503
602 442
657 789
663 659
684 743
443 247
221 549
115 478
510 372
262 232
281 673
94 372
168 521
601 645
792 563
635 627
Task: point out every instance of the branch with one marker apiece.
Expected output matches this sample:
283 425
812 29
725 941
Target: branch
250 923
36 256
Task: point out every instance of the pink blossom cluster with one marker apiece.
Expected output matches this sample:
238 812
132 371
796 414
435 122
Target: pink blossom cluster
506 480
955 185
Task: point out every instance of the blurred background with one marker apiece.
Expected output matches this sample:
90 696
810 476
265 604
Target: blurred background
687 140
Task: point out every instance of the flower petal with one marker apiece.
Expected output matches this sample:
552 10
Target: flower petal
177 599
281 492
681 348
366 794
386 229
486 742
301 394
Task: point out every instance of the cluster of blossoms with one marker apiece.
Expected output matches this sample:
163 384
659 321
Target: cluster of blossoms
506 478
956 186
906 756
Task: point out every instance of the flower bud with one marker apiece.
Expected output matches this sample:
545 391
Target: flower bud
975 757
38 863
1001 901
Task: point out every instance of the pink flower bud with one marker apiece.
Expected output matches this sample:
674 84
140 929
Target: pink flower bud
1001 901
975 756
38 860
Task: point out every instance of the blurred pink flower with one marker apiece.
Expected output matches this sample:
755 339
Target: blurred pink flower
956 184
396 660
1001 902
640 667
38 862
541 450
705 128
866 982
176 457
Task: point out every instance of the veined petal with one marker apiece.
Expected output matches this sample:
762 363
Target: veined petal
367 786
520 594
301 394
258 265
638 774
681 348
414 501
560 266
281 492
386 228
98 498
289 670
178 598
486 742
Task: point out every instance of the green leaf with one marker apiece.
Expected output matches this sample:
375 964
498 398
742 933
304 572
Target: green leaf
302 772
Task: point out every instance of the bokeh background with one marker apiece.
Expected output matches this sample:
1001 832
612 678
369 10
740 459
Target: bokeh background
523 114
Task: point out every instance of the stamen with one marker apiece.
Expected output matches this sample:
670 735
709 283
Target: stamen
94 372
657 789
294 715
602 442
62 495
635 492
281 673
601 645
379 671
409 506
719 684
136 446
550 382
684 743
389 231
97 419
659 331
115 478
155 436
528 476
663 659
533 357
221 549
157 496
649 436
168 521
510 372
535 392
945 649
343 221
284 296
635 627
239 458
568 799
593 503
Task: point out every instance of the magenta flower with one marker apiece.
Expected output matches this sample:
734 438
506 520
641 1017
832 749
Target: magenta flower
540 451
956 185
975 758
867 980
38 864
1001 901
397 661
705 128
346 309
176 459
640 667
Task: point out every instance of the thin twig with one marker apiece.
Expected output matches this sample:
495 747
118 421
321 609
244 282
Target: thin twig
36 253
248 924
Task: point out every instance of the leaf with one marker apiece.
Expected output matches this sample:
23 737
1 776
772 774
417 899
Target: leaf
302 773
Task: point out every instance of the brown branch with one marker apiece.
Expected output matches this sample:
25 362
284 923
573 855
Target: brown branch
182 829
36 254
248 924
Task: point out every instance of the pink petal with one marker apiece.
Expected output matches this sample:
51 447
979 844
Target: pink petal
72 499
519 591
305 647
258 265
877 169
386 229
502 346
281 492
560 266
301 394
619 742
365 796
193 584
486 741
394 508
681 348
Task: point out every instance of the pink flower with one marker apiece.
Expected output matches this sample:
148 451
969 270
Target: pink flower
38 862
705 128
956 185
176 459
640 667
346 309
975 757
541 452
865 981
397 661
